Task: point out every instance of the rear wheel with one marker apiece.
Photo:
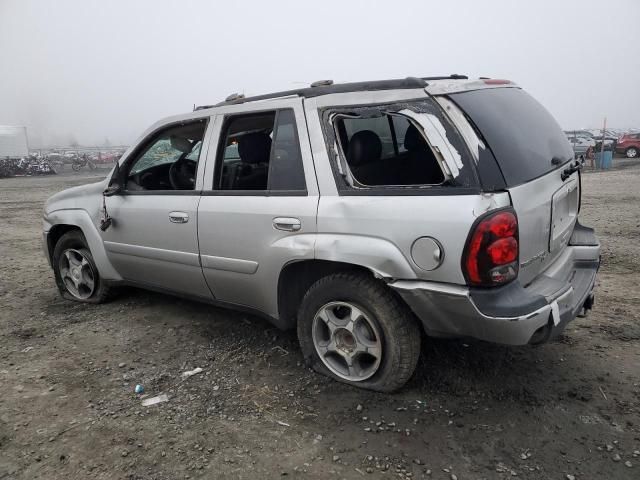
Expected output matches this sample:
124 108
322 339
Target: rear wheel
353 329
632 152
75 271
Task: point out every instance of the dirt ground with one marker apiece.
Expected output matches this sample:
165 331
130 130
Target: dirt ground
568 409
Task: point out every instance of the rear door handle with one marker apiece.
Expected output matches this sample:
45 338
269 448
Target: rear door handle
178 217
288 224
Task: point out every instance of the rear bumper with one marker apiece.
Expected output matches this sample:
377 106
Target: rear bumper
513 314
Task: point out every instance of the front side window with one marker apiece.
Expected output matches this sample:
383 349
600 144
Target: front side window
260 152
169 160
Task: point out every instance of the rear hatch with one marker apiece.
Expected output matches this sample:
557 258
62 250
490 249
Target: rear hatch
532 152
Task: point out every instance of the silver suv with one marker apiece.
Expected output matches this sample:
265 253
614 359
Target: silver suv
362 214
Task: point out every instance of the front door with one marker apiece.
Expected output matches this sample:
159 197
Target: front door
259 211
153 240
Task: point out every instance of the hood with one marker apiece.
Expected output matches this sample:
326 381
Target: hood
82 197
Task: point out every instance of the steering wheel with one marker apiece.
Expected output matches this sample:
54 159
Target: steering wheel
182 174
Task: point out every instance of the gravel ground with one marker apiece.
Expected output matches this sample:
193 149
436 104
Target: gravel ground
568 409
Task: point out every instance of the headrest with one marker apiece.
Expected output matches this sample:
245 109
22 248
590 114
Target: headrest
413 139
181 144
364 147
254 148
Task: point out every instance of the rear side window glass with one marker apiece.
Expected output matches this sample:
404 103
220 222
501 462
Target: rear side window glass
261 152
286 172
522 134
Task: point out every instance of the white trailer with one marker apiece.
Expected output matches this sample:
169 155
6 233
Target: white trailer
13 142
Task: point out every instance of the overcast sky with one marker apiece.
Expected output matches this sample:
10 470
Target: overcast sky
90 70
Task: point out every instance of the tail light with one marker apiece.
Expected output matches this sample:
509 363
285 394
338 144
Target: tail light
491 253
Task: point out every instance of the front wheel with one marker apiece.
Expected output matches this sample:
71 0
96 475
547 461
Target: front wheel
76 167
75 271
632 152
352 328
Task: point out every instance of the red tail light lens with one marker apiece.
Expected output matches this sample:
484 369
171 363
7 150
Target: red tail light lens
491 253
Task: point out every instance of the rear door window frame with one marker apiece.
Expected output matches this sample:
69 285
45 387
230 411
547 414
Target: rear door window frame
211 189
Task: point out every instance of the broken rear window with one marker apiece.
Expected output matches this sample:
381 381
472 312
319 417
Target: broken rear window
407 148
387 149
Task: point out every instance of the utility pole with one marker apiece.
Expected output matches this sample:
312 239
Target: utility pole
604 127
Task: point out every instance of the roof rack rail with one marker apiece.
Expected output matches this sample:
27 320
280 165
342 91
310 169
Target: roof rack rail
322 83
202 107
453 76
323 87
234 96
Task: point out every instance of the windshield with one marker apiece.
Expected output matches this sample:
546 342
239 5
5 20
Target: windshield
522 134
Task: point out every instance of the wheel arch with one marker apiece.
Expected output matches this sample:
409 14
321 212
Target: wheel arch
63 221
297 277
55 233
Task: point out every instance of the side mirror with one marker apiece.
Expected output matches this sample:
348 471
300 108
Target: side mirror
112 190
114 183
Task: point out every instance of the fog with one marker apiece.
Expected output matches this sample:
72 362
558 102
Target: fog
93 71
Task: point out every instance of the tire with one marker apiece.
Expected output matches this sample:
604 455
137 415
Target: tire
385 321
76 167
72 247
631 152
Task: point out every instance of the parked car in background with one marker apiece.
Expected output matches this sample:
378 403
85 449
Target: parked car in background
579 133
629 145
363 214
580 145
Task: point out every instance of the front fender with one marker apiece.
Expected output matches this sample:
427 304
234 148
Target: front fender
378 255
80 218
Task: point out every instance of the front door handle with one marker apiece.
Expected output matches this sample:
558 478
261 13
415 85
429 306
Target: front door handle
288 224
178 217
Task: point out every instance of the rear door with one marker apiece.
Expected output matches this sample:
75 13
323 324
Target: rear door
532 151
258 209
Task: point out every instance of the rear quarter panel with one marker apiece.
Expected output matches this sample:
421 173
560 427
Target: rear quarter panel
379 231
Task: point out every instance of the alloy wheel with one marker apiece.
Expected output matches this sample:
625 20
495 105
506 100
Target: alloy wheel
347 341
77 274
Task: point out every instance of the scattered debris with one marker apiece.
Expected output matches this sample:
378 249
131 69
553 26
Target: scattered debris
190 373
147 402
602 392
139 389
284 424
